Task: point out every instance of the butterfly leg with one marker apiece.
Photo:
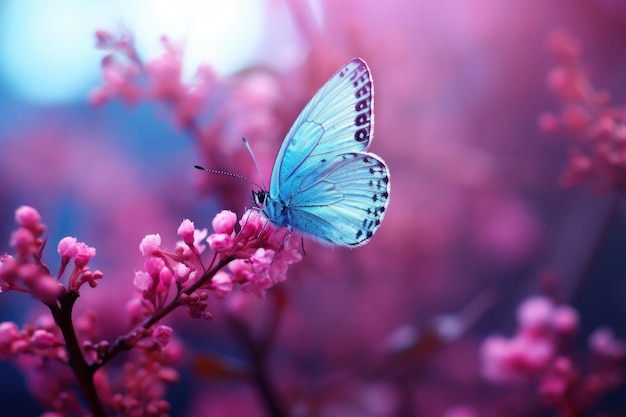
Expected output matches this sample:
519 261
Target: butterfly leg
281 245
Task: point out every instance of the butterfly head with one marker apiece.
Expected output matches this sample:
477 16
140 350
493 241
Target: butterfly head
260 198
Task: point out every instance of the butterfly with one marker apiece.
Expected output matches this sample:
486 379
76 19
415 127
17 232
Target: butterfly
323 182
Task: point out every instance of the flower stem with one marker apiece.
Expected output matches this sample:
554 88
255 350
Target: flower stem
127 341
62 314
84 372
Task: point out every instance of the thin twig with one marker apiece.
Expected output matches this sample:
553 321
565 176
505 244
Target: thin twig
126 342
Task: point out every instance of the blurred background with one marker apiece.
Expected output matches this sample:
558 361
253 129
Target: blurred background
476 207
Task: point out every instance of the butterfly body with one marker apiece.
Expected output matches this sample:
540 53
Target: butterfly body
323 182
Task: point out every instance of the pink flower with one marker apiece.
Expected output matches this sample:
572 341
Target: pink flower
535 313
163 334
150 245
223 240
165 72
565 320
195 96
29 218
221 243
603 342
252 224
182 272
221 285
262 261
8 268
47 288
165 280
264 252
241 270
83 254
9 332
258 285
39 283
23 241
558 382
530 352
67 247
224 222
186 231
104 39
510 360
195 247
43 338
153 265
567 83
594 127
143 281
118 82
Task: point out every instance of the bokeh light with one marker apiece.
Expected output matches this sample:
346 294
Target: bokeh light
37 65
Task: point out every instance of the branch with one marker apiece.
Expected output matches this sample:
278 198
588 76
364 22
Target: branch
62 314
125 343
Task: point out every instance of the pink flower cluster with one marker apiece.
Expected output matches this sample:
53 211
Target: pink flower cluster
257 256
142 388
25 271
256 253
43 339
125 76
204 105
39 350
540 352
263 251
597 130
533 348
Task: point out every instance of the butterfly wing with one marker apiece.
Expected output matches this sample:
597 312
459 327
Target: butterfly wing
323 183
338 119
346 202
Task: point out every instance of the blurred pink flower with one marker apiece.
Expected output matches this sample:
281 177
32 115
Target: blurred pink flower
540 352
597 131
221 285
603 343
29 218
532 349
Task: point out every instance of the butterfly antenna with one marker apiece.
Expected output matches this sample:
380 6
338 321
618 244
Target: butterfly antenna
245 142
230 174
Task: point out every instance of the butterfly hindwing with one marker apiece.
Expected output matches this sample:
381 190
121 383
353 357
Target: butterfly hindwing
347 204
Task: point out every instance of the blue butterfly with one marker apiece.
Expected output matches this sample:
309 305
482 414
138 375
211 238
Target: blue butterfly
323 182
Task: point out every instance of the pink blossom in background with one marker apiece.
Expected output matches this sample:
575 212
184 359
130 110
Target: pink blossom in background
484 111
540 355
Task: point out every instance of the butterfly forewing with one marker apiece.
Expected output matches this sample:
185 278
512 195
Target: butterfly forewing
338 119
323 183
